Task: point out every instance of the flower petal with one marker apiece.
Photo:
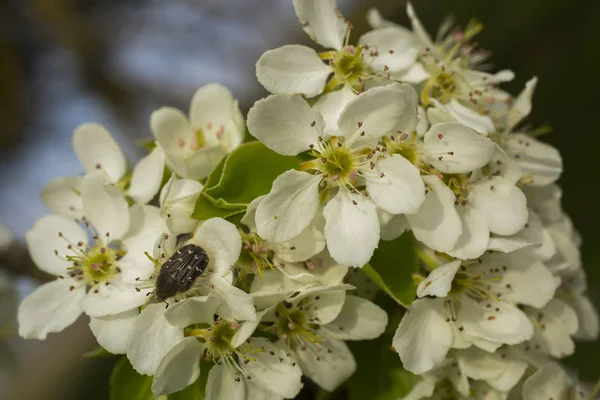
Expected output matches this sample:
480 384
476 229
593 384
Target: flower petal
54 233
508 324
359 319
397 186
538 159
147 177
439 281
380 111
437 224
212 107
285 124
150 339
171 128
223 385
269 371
418 30
221 241
467 117
396 48
331 366
351 228
423 337
331 105
111 331
113 299
105 206
322 21
475 238
236 303
521 106
193 310
63 196
97 150
589 325
455 149
50 308
502 204
179 368
292 69
290 206
549 382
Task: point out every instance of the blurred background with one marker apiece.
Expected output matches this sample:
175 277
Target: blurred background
65 62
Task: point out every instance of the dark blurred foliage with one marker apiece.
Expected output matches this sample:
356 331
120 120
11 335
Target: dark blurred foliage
64 62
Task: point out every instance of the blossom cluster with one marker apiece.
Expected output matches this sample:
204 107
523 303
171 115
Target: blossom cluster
396 135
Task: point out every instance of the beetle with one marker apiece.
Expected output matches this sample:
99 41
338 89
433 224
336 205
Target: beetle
180 271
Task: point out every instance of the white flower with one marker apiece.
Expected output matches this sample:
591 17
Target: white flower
221 242
473 303
91 273
194 146
97 150
296 69
314 324
177 200
345 168
540 162
572 291
244 366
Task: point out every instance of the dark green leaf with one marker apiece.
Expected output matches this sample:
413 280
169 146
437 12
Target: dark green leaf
246 173
392 267
127 384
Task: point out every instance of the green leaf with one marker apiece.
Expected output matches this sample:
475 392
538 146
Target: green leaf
127 384
148 144
246 173
392 267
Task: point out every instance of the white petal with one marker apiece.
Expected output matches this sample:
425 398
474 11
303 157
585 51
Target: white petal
214 107
147 177
269 372
502 374
423 337
303 247
437 224
171 128
197 164
105 206
467 117
475 237
380 111
292 69
193 310
50 308
322 21
222 384
503 165
502 204
351 228
150 339
290 206
113 299
50 233
589 325
376 20
557 322
221 241
111 331
179 368
331 105
415 74
397 186
508 325
359 320
455 149
236 303
97 150
331 366
549 382
537 159
63 196
328 303
521 106
395 46
146 225
439 281
423 125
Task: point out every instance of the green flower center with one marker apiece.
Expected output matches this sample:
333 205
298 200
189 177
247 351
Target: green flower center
458 183
293 324
96 264
255 256
405 145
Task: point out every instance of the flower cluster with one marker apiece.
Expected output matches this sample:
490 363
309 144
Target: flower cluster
394 136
